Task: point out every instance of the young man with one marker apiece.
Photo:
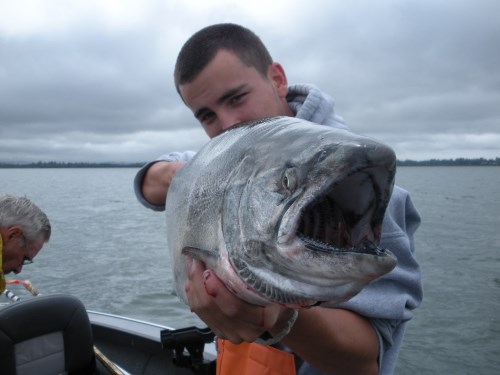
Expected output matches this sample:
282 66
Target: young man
24 229
225 75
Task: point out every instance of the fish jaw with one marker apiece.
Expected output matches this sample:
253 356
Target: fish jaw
300 275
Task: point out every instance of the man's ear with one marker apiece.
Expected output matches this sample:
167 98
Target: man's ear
277 75
14 231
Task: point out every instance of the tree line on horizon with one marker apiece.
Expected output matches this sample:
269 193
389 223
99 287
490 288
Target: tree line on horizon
403 163
450 162
57 164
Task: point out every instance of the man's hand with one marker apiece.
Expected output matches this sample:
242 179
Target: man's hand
228 316
158 179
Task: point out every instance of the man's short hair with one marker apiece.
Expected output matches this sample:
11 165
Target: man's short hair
202 47
23 212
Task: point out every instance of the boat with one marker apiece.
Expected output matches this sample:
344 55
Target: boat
140 347
107 344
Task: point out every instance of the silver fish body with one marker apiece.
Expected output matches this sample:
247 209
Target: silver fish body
283 211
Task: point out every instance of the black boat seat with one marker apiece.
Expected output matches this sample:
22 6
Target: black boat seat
46 335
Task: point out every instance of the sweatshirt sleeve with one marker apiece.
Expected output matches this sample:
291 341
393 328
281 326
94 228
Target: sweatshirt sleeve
139 177
388 302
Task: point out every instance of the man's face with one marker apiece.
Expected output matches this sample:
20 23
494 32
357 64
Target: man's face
228 92
16 249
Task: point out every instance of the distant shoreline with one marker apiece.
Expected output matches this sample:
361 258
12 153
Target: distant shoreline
70 165
460 162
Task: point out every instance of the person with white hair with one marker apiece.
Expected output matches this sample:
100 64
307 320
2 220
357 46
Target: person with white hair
24 229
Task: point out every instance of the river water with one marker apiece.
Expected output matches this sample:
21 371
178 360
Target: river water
111 252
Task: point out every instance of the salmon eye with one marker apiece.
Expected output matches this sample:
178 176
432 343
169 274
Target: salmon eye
289 180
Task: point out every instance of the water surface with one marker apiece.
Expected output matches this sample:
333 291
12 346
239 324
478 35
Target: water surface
111 252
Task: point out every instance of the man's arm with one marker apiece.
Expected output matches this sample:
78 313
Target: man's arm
332 340
152 181
157 180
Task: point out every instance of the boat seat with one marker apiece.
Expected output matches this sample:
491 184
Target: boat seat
46 335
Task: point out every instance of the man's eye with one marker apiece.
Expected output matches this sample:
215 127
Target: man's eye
207 117
237 98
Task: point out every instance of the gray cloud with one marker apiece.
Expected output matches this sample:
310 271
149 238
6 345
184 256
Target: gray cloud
96 84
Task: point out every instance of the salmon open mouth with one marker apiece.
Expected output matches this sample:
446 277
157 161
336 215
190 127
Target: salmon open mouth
346 216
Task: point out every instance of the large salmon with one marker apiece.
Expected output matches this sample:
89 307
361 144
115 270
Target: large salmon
284 211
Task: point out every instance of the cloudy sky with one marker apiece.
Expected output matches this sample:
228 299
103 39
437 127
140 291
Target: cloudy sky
91 80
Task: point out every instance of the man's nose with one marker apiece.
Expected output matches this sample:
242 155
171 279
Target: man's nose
228 120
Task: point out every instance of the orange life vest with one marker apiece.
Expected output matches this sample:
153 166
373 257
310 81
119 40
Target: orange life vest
252 359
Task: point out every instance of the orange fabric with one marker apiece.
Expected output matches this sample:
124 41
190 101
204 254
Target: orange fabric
252 359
